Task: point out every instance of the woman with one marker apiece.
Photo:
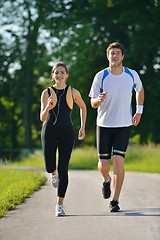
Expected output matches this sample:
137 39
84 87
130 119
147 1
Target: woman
57 131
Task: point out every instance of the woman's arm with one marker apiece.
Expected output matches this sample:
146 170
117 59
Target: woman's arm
46 105
83 112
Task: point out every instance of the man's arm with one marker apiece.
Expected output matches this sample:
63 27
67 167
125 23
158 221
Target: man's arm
139 107
96 102
140 97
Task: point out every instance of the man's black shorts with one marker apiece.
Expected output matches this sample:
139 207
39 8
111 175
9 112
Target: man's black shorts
112 139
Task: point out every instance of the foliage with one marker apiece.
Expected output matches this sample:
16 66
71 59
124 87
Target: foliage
36 33
130 24
143 158
16 186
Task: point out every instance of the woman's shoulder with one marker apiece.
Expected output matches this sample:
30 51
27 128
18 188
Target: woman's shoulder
44 92
75 93
48 91
74 90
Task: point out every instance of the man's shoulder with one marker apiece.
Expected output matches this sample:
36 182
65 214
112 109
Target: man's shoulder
131 72
127 69
101 72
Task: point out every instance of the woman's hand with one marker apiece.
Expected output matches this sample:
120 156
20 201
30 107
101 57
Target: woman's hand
50 103
81 134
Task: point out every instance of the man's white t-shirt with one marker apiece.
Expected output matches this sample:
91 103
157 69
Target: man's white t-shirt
116 109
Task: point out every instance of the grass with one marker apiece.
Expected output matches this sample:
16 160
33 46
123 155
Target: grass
143 158
16 186
29 160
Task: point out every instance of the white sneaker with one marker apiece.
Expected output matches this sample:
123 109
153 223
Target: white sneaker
54 180
59 210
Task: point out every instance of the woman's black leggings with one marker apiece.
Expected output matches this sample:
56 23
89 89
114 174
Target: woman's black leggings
60 138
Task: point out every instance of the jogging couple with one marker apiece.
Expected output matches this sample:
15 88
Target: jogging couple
111 94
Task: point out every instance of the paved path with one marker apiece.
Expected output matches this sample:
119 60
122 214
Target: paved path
88 217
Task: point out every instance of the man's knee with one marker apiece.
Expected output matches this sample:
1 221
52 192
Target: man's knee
118 161
103 163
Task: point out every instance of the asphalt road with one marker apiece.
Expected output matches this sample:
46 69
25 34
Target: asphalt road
88 216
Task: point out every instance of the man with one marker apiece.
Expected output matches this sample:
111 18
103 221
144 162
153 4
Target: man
111 93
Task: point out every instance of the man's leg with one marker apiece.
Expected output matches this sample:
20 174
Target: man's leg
121 138
104 146
104 168
118 176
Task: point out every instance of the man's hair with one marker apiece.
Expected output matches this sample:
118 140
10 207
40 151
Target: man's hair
115 45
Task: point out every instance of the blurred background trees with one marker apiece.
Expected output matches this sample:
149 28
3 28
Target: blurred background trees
36 33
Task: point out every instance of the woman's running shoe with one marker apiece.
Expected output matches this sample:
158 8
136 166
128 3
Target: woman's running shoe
59 211
54 180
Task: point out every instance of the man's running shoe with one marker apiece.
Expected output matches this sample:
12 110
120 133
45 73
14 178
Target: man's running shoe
54 180
106 191
114 207
59 211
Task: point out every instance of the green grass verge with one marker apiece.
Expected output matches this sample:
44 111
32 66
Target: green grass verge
16 186
143 158
29 160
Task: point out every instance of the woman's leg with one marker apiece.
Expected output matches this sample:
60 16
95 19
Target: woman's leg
65 146
49 146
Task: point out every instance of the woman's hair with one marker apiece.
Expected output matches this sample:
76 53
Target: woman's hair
58 64
115 45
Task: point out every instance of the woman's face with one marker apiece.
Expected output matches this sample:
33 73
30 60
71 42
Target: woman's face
59 74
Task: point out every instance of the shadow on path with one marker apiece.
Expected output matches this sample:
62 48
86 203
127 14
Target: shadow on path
147 212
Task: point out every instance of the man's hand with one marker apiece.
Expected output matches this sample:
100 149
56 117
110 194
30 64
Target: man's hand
96 102
136 119
102 96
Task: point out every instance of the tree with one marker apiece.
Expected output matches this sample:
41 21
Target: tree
34 34
23 27
94 26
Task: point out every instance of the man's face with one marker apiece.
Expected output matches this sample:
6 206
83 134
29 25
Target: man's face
115 57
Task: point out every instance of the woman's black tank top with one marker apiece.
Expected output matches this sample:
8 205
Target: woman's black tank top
60 115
